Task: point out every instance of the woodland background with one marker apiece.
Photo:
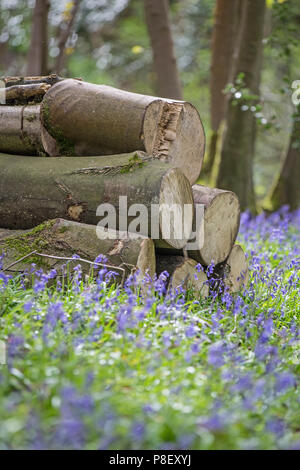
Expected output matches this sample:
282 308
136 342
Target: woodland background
190 49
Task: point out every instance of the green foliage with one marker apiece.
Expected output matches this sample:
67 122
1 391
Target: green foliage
134 162
248 102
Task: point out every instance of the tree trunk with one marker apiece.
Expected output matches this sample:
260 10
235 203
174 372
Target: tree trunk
287 189
183 274
224 42
234 272
33 190
62 239
65 32
20 130
236 167
104 121
38 51
159 28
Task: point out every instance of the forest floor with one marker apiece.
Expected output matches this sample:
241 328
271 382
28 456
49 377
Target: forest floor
97 367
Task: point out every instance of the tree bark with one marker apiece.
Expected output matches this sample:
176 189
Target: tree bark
234 271
159 28
62 239
20 130
33 190
104 121
224 43
287 190
223 46
65 32
38 51
236 167
183 273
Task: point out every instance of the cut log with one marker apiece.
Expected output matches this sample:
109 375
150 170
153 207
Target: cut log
13 81
25 94
221 224
183 273
234 272
20 130
62 239
216 226
87 119
33 190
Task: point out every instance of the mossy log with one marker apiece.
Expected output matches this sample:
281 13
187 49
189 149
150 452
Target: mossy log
234 271
62 239
183 272
33 190
20 130
80 118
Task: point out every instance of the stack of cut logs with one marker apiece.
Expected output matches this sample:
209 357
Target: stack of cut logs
68 146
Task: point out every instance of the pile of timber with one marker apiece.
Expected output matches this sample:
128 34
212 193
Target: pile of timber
67 146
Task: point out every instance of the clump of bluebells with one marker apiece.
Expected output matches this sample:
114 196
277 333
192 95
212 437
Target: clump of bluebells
92 365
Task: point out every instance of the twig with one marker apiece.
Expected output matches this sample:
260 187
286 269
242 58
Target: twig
63 258
19 260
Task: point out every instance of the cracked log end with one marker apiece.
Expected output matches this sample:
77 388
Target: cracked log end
176 136
221 224
175 220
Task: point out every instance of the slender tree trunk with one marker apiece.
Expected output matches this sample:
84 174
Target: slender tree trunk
224 45
38 52
287 189
64 34
159 28
236 167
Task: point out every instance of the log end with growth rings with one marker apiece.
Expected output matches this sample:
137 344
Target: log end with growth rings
176 219
221 224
